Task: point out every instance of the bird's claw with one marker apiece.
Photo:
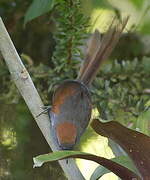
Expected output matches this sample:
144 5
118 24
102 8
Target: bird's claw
45 110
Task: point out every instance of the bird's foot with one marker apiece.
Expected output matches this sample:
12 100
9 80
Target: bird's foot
45 110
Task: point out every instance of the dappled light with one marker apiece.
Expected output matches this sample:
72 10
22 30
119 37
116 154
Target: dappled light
8 138
97 145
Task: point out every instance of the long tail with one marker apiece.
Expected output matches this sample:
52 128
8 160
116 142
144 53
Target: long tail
99 50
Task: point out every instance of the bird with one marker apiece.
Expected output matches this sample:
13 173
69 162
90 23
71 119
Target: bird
71 108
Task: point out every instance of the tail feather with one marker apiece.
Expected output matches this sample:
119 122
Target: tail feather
95 57
92 47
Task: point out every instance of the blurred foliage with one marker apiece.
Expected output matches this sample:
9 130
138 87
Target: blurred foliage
71 27
51 48
38 8
130 46
24 141
119 92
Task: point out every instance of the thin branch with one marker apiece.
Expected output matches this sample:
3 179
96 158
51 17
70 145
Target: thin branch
28 91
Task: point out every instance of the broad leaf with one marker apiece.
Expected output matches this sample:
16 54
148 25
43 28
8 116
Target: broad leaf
136 144
119 170
38 8
123 160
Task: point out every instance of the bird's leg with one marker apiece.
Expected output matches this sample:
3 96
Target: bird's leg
45 110
66 161
45 107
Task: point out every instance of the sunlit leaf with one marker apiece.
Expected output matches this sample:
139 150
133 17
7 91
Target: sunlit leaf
37 8
136 144
147 105
123 160
119 170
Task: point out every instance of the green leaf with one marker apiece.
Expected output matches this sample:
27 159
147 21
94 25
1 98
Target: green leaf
119 170
135 144
142 123
145 28
147 105
39 160
146 64
38 8
137 3
101 4
123 160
